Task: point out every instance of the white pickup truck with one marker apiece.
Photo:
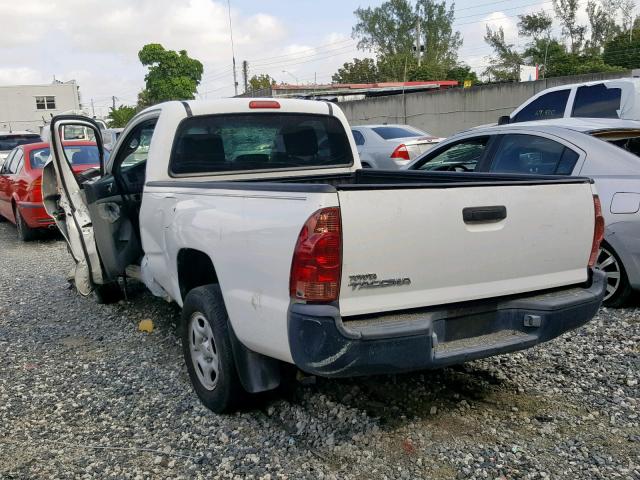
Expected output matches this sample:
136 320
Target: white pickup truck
255 216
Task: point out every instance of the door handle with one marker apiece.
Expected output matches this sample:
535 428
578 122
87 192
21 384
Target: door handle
493 213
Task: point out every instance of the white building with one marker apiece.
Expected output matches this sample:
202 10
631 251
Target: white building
28 107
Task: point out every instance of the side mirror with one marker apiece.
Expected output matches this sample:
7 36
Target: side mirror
504 120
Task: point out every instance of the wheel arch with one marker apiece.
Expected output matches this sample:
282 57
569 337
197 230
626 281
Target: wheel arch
257 372
195 269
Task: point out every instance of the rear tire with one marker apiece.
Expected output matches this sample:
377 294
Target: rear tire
618 288
206 346
25 232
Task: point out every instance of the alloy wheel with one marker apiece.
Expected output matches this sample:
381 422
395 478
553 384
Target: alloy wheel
204 354
608 263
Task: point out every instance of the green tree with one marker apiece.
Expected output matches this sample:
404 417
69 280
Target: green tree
120 116
566 11
441 42
171 75
261 82
388 29
505 64
535 25
627 9
621 52
460 73
602 23
361 70
391 30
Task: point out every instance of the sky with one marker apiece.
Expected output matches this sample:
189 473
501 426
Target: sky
95 42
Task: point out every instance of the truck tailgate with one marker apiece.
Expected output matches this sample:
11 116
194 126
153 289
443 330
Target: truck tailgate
413 247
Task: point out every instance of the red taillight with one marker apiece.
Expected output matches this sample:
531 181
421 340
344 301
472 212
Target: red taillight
264 104
317 258
598 231
401 152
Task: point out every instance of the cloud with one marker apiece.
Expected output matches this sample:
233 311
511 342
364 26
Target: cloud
20 76
96 42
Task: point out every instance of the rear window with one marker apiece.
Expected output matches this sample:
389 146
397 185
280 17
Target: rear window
389 133
259 141
9 142
78 154
597 101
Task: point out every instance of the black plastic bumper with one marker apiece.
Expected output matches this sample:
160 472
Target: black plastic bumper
323 344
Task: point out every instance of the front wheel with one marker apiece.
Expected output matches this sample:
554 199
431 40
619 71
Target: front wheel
206 347
618 287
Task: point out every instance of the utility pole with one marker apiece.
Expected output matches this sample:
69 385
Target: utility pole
245 75
93 109
233 52
113 102
418 40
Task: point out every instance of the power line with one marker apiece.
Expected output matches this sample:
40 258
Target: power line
506 9
294 61
305 50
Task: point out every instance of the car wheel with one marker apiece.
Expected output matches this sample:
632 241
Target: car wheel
618 288
25 232
206 347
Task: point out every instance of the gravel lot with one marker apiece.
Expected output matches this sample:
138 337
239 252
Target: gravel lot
83 394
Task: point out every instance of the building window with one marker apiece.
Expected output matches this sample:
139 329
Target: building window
46 103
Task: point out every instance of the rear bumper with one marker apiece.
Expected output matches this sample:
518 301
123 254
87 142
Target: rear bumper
323 344
34 215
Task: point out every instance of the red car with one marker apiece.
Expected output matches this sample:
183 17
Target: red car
21 178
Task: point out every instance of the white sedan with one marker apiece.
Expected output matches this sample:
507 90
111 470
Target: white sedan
391 146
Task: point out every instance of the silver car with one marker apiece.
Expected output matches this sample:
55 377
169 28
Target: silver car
390 146
10 140
604 149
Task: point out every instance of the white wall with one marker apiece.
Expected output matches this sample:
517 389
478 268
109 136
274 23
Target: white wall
18 104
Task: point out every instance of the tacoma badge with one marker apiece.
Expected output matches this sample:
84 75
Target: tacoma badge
370 280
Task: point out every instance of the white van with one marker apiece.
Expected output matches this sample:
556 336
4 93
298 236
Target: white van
619 98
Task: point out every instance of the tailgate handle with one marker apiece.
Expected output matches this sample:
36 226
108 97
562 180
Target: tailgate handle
484 214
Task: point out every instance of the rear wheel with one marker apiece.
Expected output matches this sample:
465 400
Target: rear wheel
618 287
25 232
206 347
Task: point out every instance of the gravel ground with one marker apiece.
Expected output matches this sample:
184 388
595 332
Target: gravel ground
83 394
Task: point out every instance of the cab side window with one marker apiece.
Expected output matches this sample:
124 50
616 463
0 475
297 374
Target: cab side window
545 107
532 154
135 148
